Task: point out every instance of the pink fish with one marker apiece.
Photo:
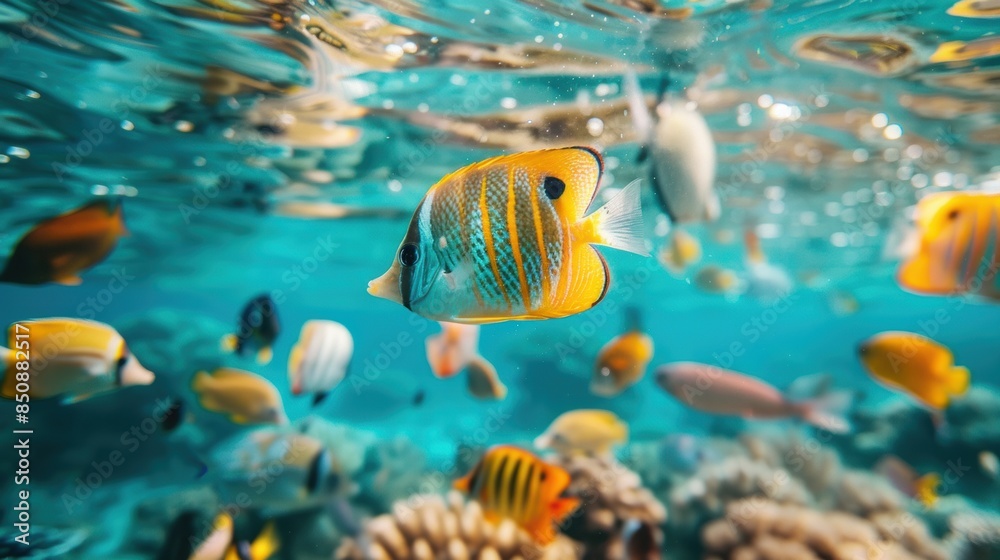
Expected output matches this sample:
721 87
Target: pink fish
719 391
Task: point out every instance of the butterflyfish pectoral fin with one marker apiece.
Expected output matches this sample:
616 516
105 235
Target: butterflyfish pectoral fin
618 223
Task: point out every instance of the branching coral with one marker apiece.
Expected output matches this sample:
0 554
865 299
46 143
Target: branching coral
612 498
425 527
762 529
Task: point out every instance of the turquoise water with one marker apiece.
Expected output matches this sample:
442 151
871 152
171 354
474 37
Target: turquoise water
216 122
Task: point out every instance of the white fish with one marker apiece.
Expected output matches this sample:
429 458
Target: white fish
320 359
683 156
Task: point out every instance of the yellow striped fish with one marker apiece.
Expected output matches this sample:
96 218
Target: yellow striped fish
507 238
513 483
958 246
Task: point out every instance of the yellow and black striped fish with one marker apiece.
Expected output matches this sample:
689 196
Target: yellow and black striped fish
958 246
513 483
507 238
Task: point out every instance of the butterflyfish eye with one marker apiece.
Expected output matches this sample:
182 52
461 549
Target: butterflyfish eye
554 187
408 254
952 215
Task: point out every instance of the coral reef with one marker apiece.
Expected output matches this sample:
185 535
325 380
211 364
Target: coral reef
426 527
612 500
398 469
705 495
865 495
805 458
759 528
975 535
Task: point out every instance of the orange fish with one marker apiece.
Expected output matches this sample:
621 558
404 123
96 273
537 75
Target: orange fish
513 483
59 249
451 350
621 363
958 246
915 365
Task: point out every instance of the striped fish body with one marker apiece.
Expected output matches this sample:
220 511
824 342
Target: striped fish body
507 238
320 359
510 482
959 246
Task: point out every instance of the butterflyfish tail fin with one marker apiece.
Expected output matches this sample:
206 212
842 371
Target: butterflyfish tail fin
619 222
958 380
